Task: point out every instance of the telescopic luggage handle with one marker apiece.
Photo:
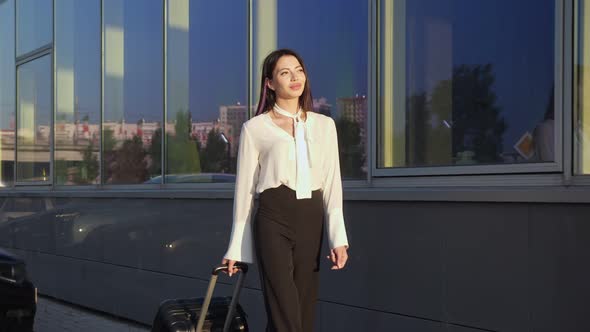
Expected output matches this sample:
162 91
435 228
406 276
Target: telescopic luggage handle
242 266
234 301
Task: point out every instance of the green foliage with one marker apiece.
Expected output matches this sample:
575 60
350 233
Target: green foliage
477 123
108 140
129 164
155 153
183 153
352 153
214 155
89 168
78 172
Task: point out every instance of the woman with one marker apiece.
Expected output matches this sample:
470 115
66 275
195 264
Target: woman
288 155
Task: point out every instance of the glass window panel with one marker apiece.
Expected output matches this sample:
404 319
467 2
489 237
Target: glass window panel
34 24
7 93
77 117
466 82
207 89
582 88
133 90
333 43
34 120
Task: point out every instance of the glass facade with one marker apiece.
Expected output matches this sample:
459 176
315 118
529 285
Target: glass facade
77 91
34 21
333 42
138 92
133 90
34 113
582 88
466 82
7 93
207 88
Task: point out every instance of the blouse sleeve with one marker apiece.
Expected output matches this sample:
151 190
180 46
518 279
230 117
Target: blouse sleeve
332 191
241 246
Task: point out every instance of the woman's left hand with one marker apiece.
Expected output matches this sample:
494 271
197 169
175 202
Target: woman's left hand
338 256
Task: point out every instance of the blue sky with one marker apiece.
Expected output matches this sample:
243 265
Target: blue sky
517 37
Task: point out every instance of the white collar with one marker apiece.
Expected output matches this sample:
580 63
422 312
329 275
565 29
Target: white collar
281 111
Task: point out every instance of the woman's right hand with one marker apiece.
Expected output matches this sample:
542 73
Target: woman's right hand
230 263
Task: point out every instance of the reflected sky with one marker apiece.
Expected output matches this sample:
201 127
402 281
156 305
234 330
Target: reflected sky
332 38
7 70
516 37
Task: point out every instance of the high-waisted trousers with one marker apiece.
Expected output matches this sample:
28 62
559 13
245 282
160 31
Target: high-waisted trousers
288 238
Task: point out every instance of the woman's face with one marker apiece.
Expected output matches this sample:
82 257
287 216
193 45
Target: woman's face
288 78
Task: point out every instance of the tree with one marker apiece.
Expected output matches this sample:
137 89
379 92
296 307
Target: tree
182 153
460 116
108 158
477 123
352 153
417 144
155 153
130 165
89 168
215 156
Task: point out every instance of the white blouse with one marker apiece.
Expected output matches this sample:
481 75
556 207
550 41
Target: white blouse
266 159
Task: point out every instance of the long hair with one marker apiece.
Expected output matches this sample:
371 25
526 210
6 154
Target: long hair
268 97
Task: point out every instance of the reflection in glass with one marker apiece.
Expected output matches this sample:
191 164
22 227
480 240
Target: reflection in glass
133 86
34 24
582 88
77 117
33 120
333 43
207 87
7 79
466 82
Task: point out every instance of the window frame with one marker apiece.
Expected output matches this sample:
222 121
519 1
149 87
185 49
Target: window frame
37 54
509 176
560 76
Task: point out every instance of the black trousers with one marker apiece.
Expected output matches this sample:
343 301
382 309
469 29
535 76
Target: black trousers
288 238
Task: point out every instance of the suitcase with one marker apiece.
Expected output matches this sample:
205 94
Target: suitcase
209 314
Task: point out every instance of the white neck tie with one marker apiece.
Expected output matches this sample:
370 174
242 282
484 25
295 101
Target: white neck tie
303 187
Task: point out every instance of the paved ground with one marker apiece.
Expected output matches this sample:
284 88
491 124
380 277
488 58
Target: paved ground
56 316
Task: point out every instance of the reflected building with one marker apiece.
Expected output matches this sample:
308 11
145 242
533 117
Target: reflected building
321 106
354 109
233 116
200 130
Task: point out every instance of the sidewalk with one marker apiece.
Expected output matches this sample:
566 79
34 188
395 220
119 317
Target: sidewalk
56 316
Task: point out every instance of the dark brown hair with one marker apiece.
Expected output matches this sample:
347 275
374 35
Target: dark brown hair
268 97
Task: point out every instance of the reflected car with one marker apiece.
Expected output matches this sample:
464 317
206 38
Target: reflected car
18 295
195 178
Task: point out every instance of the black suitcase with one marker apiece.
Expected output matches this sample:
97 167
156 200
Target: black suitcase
209 314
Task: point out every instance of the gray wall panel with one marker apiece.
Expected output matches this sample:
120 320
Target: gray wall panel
395 262
559 268
336 317
486 253
416 265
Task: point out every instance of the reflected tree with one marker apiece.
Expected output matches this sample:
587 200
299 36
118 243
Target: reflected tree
460 122
130 165
79 172
183 153
89 168
352 154
155 153
418 112
109 142
215 153
477 123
